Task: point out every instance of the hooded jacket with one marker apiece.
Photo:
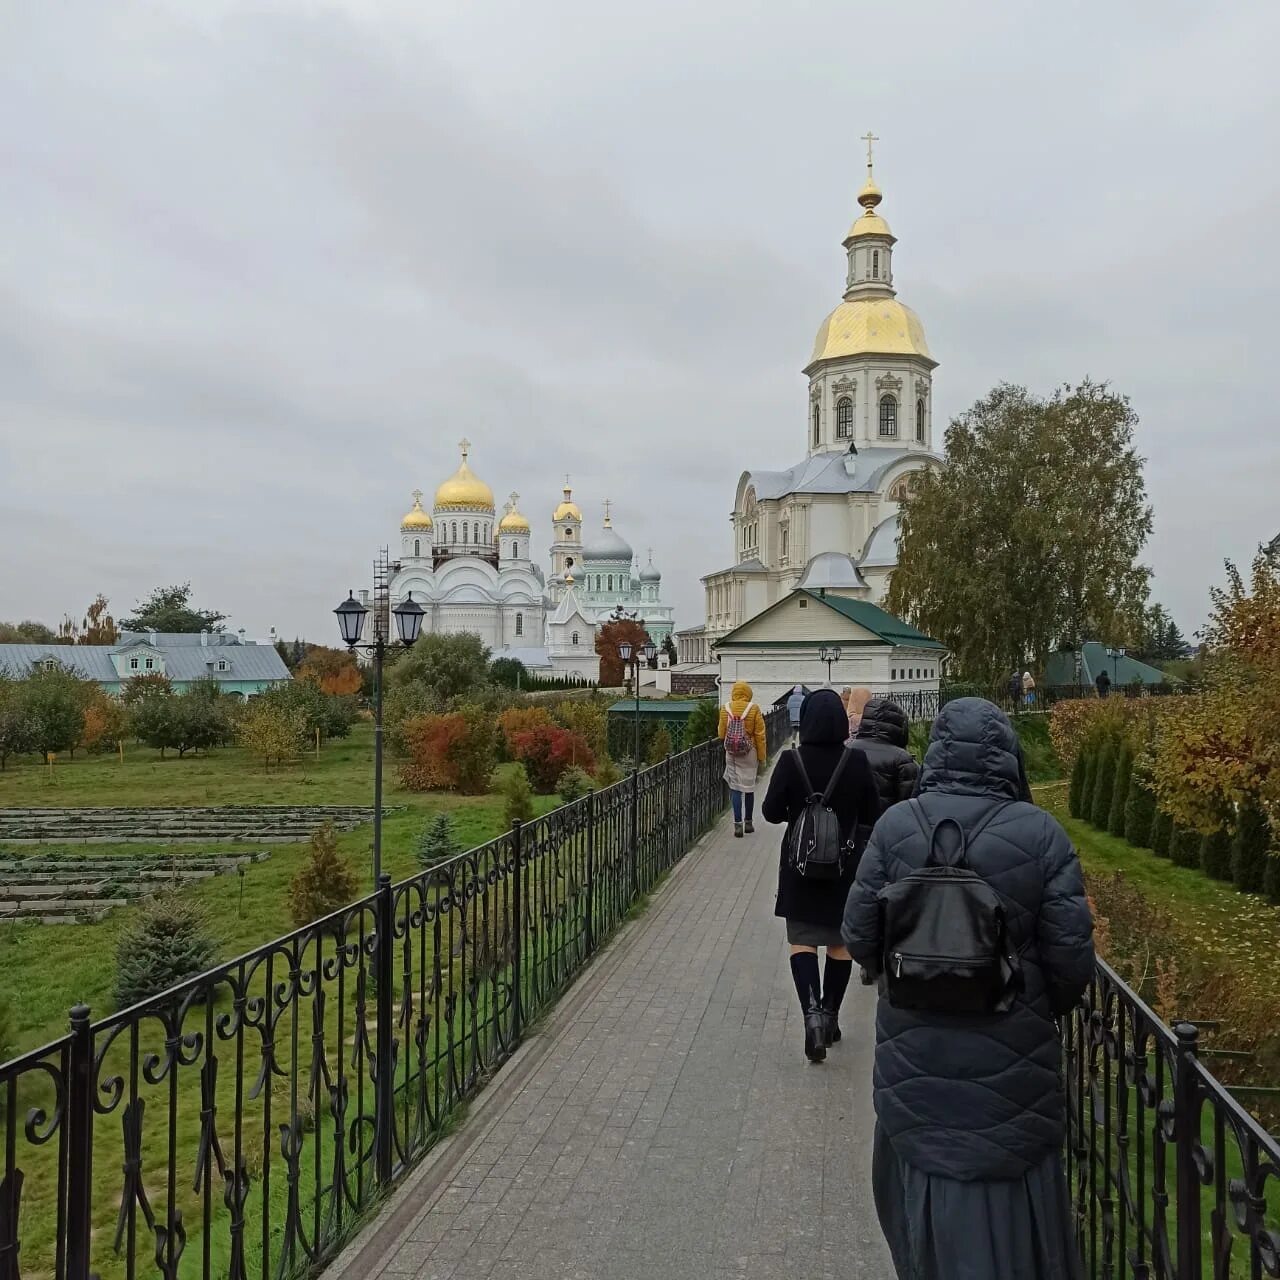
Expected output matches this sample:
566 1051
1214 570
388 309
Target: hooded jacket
882 735
976 1098
739 701
794 702
824 727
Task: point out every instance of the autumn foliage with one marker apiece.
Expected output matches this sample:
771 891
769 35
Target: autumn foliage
517 720
455 751
547 751
331 670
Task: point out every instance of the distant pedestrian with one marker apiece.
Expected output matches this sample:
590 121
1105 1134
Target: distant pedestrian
854 700
745 750
882 738
1015 688
812 906
1103 683
967 1167
1028 688
794 703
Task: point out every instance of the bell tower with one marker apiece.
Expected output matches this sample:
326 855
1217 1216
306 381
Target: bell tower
566 540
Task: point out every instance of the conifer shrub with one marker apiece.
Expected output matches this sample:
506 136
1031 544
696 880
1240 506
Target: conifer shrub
1090 779
659 745
607 773
1271 877
1120 794
1184 846
703 722
437 842
1249 849
1103 787
165 942
324 882
1075 793
1215 854
1139 812
575 782
517 796
1161 834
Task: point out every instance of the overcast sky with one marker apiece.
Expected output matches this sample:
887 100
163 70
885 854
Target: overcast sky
262 265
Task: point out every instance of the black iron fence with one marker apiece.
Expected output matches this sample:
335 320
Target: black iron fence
1171 1177
924 704
240 1124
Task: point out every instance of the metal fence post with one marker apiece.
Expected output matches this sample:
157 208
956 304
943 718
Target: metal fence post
517 933
1187 1134
385 1084
668 844
79 1145
635 832
591 872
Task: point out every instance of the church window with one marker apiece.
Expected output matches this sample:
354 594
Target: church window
888 416
519 624
150 664
817 420
575 637
222 666
453 536
875 264
133 664
920 421
476 527
465 539
611 582
515 550
569 562
568 533
844 417
417 546
785 534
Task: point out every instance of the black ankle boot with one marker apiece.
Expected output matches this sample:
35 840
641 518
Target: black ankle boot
815 1031
831 1020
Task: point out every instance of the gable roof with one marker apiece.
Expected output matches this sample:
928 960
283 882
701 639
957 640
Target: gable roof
884 626
182 662
1061 667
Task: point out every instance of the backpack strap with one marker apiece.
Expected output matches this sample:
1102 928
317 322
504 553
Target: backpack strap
930 831
835 777
809 792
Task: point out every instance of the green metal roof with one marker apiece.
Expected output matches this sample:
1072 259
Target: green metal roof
885 626
652 707
1061 667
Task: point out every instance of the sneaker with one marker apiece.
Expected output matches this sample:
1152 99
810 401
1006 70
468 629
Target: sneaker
748 826
737 830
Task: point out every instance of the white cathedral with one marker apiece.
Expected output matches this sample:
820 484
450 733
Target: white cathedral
869 433
474 572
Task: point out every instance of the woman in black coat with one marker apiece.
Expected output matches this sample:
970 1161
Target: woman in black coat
970 1114
882 735
813 908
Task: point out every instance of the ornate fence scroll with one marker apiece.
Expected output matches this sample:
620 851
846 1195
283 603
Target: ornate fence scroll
238 1125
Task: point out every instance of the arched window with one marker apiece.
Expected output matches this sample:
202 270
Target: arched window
888 416
569 562
875 264
920 421
519 624
453 537
476 527
568 533
575 637
844 418
465 526
611 582
417 546
817 420
515 550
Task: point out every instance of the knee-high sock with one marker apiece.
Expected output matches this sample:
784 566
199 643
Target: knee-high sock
835 981
749 801
804 972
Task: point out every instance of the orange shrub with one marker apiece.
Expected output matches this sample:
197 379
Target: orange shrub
546 752
516 720
452 752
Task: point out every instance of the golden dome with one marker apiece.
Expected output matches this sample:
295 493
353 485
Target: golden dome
568 509
864 326
416 518
870 224
513 521
464 490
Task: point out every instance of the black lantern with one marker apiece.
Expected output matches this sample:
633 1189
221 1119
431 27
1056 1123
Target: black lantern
408 616
351 615
624 651
650 651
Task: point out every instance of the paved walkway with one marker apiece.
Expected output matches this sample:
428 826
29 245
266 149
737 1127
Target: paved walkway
665 1122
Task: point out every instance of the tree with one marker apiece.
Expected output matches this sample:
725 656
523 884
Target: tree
1271 877
332 671
1215 854
17 734
669 648
437 842
1075 792
517 796
165 942
1160 640
332 715
439 672
169 609
106 721
659 745
547 751
324 883
145 686
182 722
511 673
27 632
1120 793
1103 787
1162 834
98 626
516 720
588 717
1249 849
54 702
1090 781
1139 812
615 632
703 722
1184 846
455 752
270 731
1029 537
575 782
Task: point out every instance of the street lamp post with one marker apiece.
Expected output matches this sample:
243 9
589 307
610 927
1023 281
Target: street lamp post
1115 655
351 615
829 654
631 655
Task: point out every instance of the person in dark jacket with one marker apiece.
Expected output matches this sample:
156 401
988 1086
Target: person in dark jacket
1103 684
812 908
794 702
967 1157
882 736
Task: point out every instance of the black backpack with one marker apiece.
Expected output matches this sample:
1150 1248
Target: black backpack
818 850
946 947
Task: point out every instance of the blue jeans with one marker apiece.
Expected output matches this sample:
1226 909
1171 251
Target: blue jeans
736 798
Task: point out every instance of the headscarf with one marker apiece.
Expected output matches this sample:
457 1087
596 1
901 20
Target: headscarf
823 721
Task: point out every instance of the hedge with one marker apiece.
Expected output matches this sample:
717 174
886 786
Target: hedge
1215 855
1184 846
1249 850
1104 787
1120 794
1139 813
1075 792
1161 834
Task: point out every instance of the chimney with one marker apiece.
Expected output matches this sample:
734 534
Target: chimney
204 639
241 634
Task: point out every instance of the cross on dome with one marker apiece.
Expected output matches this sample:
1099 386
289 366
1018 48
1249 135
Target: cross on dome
608 519
416 495
869 138
465 446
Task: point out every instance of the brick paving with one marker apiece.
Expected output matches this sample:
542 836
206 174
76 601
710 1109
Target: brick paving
669 1125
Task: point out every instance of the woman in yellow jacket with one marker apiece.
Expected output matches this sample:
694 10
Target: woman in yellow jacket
745 750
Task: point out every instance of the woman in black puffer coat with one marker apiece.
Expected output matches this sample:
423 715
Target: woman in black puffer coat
970 1117
882 735
813 908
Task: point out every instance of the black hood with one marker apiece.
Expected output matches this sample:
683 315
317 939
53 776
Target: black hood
973 750
823 719
884 721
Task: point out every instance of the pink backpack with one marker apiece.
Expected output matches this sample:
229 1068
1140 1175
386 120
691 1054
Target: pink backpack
736 740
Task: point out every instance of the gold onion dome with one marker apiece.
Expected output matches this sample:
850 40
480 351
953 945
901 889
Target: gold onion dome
568 509
513 521
416 518
871 223
464 490
879 326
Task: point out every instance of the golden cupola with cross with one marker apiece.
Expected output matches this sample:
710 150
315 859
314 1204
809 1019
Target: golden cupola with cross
464 490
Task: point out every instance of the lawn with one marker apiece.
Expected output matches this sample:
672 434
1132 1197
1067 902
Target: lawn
76 961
